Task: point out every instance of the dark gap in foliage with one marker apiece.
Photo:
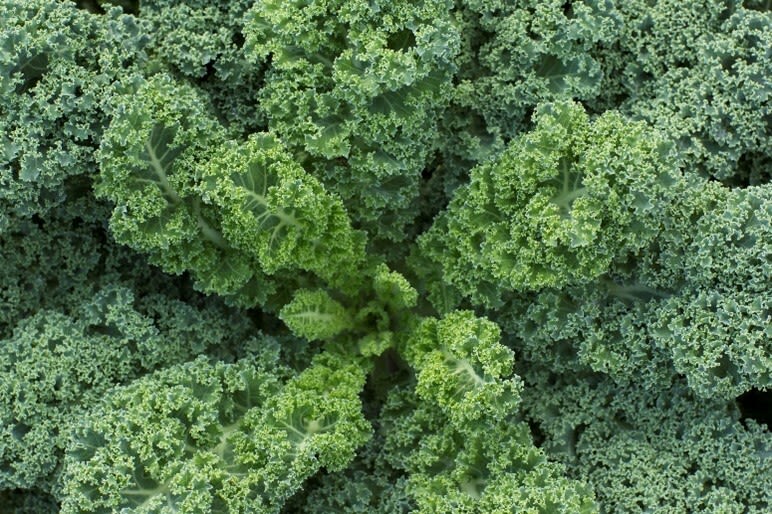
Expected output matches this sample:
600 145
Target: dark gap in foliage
187 292
32 70
78 186
576 436
568 11
727 11
389 371
26 501
728 61
433 188
209 71
37 220
402 40
92 6
20 430
528 115
238 39
267 322
15 168
753 169
586 105
758 5
129 6
537 433
84 61
756 405
427 173
96 6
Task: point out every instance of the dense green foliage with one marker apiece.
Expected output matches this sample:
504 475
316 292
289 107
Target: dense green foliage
436 256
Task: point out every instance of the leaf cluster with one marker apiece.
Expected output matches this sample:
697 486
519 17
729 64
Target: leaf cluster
312 256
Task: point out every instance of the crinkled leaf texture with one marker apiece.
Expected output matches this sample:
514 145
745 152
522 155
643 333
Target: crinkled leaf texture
214 437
